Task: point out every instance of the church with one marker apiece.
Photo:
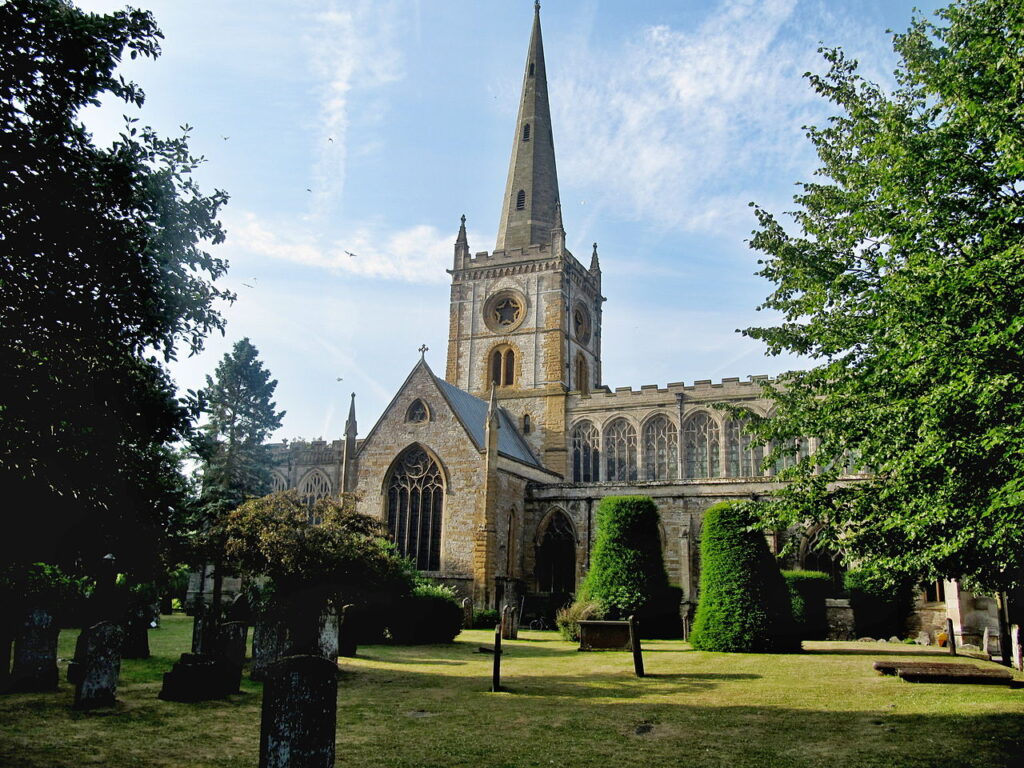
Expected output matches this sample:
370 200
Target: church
488 475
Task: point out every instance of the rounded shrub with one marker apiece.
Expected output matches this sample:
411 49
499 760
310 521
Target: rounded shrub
431 614
568 619
486 618
627 571
807 593
744 603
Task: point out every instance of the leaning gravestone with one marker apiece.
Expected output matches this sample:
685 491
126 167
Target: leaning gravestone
269 642
347 631
328 638
232 652
467 613
35 653
299 717
97 665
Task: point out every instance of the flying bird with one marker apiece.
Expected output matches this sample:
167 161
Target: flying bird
350 253
330 139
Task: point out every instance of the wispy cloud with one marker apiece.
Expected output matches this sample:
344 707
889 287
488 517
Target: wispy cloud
352 45
685 124
417 254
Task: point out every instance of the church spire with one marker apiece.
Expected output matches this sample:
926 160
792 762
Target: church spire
531 192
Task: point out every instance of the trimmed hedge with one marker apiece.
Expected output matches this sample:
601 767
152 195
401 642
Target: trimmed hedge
427 616
627 571
807 593
878 611
486 618
744 603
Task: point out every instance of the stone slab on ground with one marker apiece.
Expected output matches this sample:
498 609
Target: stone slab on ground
937 672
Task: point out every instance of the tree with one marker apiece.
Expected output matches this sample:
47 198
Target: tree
627 571
744 603
340 558
238 401
102 276
236 462
905 285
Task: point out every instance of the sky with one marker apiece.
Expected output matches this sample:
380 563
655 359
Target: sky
351 135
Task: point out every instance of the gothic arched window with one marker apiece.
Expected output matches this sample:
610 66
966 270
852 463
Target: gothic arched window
586 453
556 556
526 132
315 485
742 458
415 492
701 446
620 451
503 366
278 482
660 449
521 200
582 374
417 412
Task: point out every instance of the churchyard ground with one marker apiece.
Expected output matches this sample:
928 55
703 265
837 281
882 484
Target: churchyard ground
430 706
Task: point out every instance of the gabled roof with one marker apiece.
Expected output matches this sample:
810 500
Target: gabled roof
472 412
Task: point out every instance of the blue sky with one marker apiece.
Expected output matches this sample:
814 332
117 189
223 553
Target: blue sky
369 126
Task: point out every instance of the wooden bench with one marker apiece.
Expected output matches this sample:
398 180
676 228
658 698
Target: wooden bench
937 672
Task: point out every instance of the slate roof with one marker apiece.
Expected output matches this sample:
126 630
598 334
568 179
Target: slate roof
472 411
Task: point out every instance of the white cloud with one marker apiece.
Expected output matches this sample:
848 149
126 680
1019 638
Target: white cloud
353 45
417 254
687 124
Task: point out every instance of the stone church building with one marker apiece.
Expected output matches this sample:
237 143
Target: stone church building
489 474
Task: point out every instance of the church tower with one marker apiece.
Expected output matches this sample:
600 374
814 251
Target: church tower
525 320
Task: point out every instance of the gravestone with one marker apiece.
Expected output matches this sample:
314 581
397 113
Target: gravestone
97 665
136 637
328 637
1016 648
923 638
195 677
950 637
35 652
605 636
299 716
509 624
467 613
347 631
232 652
203 641
269 643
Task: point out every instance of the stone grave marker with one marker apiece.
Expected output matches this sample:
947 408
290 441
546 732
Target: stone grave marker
1016 648
299 716
328 637
97 665
269 642
232 651
347 631
467 613
35 652
950 637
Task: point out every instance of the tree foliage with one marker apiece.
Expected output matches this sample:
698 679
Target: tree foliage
627 572
103 273
238 401
744 603
905 285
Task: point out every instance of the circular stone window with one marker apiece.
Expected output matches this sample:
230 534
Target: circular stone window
505 311
581 323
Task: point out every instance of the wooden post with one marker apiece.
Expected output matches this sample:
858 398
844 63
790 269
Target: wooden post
950 637
634 642
496 671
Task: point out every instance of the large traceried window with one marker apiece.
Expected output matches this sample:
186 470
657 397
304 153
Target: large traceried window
742 458
314 486
660 449
586 453
415 505
793 450
620 451
701 446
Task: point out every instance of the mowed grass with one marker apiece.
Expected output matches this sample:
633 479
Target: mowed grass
430 706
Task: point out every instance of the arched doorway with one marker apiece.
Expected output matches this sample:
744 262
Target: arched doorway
556 556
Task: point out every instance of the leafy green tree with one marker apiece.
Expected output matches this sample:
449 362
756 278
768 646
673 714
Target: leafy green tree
905 285
102 276
627 571
744 604
342 558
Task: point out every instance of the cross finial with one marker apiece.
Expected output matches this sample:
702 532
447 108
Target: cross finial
463 219
423 351
536 5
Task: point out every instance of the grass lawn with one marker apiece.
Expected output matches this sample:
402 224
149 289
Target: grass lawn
429 706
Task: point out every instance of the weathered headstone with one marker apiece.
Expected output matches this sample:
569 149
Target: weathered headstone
299 717
35 652
136 636
347 631
269 643
203 639
328 638
923 638
950 637
467 613
97 665
986 638
232 651
195 677
1016 647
